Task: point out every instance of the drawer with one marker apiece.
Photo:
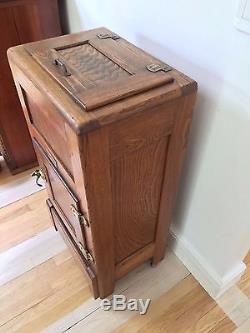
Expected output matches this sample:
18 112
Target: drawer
48 124
75 250
52 156
63 196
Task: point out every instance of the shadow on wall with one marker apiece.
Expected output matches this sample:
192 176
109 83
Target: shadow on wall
210 87
64 14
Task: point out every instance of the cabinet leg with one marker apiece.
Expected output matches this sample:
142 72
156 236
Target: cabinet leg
155 260
160 250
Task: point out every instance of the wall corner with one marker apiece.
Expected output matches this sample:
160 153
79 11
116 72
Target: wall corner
214 284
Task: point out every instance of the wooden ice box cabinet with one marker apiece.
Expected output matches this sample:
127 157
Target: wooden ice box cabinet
110 125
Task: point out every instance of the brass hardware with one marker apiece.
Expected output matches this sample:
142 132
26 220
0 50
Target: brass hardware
39 174
156 68
62 66
85 253
82 219
108 35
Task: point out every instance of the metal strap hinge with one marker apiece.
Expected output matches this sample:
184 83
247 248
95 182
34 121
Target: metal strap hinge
85 253
108 35
156 68
82 219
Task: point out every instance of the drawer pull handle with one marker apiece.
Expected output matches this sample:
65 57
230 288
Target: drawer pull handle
39 174
60 64
85 253
82 219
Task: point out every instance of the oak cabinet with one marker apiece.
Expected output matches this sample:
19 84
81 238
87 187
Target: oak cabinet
110 128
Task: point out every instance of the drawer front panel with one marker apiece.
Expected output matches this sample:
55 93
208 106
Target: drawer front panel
63 196
60 226
50 126
52 157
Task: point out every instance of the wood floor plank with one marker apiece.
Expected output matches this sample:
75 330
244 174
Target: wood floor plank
177 319
22 293
158 307
6 176
15 187
224 326
214 320
186 308
23 219
43 295
244 283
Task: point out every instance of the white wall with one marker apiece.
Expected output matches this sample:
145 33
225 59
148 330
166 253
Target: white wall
198 37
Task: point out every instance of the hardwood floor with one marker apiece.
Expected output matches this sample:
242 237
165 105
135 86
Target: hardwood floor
244 283
185 308
54 296
17 187
40 296
6 176
23 219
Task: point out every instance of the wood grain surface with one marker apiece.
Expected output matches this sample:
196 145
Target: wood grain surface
119 165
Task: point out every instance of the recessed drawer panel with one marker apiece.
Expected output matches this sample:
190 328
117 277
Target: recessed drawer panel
50 126
76 252
63 196
52 157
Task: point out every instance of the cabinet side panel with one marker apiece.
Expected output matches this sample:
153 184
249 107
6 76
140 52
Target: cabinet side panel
139 147
136 194
177 149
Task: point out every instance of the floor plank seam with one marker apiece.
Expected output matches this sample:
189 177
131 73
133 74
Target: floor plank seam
29 308
89 314
76 323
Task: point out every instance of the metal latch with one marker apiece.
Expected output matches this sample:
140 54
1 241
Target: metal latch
85 253
82 219
108 35
156 68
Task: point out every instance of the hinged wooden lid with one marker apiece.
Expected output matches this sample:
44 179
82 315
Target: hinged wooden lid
98 67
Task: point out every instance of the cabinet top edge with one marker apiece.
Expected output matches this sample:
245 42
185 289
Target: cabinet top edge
80 120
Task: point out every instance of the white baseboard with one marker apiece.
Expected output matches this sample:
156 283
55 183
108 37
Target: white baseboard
214 284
